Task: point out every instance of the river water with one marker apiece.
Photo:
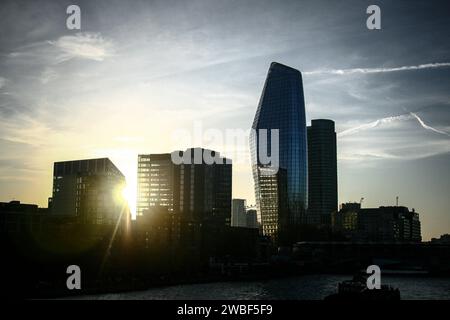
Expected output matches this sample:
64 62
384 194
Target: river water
307 287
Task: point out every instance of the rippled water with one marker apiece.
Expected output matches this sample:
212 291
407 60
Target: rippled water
308 287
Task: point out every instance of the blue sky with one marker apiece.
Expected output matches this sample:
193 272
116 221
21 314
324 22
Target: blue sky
139 70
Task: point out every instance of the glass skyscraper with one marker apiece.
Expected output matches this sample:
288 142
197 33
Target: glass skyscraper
281 197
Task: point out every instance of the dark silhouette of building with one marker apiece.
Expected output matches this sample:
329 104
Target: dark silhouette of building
443 239
16 207
322 172
238 213
384 224
346 219
205 189
281 197
17 217
252 219
193 193
90 189
154 227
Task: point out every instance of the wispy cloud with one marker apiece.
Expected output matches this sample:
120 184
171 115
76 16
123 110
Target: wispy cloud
48 75
407 152
90 46
83 45
379 70
25 130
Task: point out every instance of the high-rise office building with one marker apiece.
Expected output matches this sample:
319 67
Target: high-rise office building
238 213
205 190
281 198
156 179
191 191
322 172
89 189
156 194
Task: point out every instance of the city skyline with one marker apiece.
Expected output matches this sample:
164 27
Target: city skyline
111 89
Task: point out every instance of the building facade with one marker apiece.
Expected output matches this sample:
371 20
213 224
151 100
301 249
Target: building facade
238 213
252 219
157 177
393 223
322 172
191 193
346 219
90 189
17 217
383 224
281 196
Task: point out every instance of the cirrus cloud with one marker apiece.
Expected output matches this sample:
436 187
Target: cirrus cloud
82 45
91 46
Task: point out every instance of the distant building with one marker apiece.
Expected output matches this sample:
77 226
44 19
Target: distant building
238 213
90 189
443 239
385 224
389 224
17 207
281 197
17 217
322 172
252 219
346 219
191 193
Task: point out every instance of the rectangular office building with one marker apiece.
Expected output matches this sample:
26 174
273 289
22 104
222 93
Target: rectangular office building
322 172
190 191
89 189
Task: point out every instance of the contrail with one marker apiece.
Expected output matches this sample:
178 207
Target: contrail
428 127
373 124
379 70
401 117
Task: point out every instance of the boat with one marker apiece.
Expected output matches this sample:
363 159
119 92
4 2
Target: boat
356 289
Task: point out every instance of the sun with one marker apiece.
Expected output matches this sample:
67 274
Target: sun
126 161
130 195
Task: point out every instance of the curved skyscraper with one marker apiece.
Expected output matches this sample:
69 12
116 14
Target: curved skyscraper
281 195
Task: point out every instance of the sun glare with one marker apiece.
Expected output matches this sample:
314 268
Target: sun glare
129 194
126 162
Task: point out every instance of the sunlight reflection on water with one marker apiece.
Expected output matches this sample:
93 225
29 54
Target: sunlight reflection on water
308 287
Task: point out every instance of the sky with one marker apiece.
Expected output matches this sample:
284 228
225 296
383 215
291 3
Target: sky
137 72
